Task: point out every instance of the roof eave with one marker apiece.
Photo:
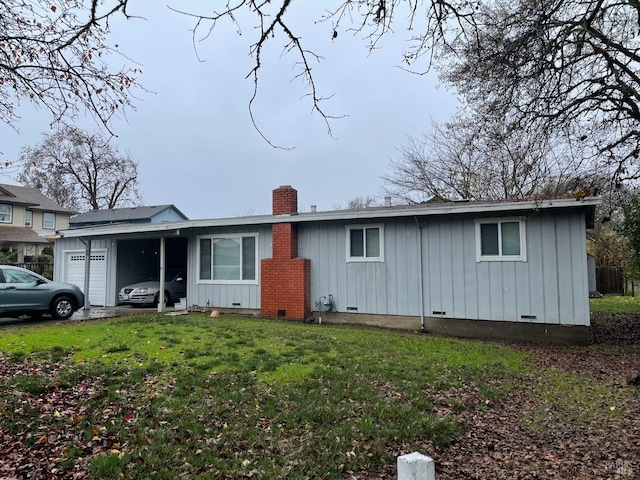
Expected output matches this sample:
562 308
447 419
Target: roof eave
589 203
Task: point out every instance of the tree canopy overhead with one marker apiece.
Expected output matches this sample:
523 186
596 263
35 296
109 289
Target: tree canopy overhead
571 64
565 64
56 55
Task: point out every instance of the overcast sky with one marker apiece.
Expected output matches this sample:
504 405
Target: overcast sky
193 137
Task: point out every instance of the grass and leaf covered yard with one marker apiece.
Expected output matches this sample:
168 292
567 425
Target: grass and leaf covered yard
615 304
194 397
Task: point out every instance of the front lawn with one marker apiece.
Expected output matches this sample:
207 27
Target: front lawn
166 396
191 396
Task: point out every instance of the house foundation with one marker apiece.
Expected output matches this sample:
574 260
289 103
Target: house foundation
498 330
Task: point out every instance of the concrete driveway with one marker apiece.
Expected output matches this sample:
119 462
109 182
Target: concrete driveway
82 314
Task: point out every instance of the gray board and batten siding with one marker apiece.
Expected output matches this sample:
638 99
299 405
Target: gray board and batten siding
245 296
238 296
550 287
65 249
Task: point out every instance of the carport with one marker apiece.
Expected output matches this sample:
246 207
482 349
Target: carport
108 257
139 259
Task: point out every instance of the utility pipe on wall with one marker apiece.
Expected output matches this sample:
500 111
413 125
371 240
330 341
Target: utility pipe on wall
420 274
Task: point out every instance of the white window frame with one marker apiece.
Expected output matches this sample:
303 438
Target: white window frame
501 258
10 212
28 218
44 220
380 258
234 236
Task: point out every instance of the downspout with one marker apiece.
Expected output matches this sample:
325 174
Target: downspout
420 275
87 272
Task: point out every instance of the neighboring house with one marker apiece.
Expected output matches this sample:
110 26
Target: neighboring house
152 214
29 221
508 269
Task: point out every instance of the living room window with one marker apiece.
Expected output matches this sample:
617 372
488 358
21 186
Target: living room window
500 240
365 243
228 259
49 220
6 212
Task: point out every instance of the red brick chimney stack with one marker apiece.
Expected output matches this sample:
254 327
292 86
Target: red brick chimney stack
284 243
285 200
285 287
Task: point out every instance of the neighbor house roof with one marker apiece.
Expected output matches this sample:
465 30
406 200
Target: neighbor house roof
419 210
20 235
31 198
125 215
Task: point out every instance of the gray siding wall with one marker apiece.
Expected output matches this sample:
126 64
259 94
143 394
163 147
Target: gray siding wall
245 296
168 215
63 245
550 286
386 288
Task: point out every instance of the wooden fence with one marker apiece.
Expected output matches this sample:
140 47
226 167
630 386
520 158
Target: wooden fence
44 269
610 280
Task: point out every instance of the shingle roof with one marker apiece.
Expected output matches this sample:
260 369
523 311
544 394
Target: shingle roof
20 235
117 215
30 197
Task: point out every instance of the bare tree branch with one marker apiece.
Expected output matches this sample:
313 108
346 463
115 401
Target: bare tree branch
480 159
55 55
373 20
568 64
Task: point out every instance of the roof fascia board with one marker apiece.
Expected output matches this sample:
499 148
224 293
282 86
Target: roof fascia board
347 215
22 203
448 209
6 192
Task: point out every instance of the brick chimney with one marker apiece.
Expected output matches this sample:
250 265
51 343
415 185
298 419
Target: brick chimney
285 200
285 278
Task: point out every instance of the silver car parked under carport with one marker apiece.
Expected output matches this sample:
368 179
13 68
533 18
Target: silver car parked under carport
148 292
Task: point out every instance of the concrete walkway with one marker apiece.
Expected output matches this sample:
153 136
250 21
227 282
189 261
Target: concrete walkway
112 312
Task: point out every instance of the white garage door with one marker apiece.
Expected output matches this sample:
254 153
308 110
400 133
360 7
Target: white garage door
74 273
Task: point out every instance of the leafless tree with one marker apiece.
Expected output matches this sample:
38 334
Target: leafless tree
358 203
81 171
484 159
55 54
563 64
569 63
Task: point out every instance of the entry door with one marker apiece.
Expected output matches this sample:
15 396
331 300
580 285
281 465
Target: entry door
74 273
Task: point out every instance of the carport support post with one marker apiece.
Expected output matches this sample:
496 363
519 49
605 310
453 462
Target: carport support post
87 272
162 267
